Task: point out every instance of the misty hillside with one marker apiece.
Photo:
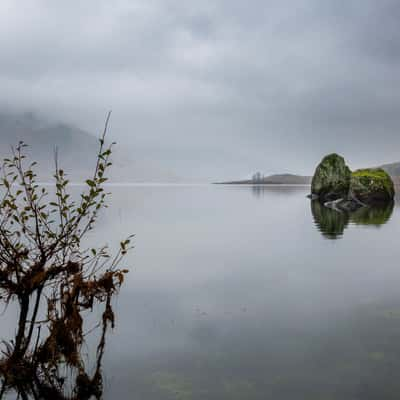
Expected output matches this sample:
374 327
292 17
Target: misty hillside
392 169
40 135
76 148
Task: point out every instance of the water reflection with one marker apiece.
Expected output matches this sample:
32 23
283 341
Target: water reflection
376 216
233 297
258 190
265 190
332 223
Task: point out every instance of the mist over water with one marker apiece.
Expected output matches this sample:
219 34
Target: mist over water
242 293
234 292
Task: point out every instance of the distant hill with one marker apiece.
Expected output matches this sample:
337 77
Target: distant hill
277 179
393 169
76 148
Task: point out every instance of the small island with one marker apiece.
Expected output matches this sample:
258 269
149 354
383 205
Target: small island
277 179
334 185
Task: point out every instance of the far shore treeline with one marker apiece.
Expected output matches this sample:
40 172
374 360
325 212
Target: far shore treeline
392 169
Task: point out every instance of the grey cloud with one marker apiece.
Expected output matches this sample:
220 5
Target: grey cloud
213 89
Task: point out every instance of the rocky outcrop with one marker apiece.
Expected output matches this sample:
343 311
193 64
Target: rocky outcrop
345 204
372 186
337 188
339 196
331 180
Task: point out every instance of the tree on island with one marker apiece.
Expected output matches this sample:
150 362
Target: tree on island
257 177
54 280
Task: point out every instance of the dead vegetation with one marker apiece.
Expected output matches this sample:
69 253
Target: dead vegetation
55 283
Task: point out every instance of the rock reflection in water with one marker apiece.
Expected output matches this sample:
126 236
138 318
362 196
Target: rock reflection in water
372 215
332 223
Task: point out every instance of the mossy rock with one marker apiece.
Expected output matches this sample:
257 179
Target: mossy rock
372 186
332 178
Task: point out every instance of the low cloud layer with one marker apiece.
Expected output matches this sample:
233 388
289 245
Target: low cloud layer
213 89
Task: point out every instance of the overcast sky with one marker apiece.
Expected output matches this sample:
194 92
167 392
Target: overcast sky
213 89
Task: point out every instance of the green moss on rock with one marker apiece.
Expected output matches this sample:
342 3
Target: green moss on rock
331 179
372 186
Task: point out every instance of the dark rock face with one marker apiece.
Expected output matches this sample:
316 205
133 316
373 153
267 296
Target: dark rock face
339 196
372 186
337 187
332 179
347 204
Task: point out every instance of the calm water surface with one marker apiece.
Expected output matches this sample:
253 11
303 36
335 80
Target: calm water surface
253 293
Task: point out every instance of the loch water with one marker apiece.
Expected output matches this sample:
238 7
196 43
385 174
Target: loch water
252 292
